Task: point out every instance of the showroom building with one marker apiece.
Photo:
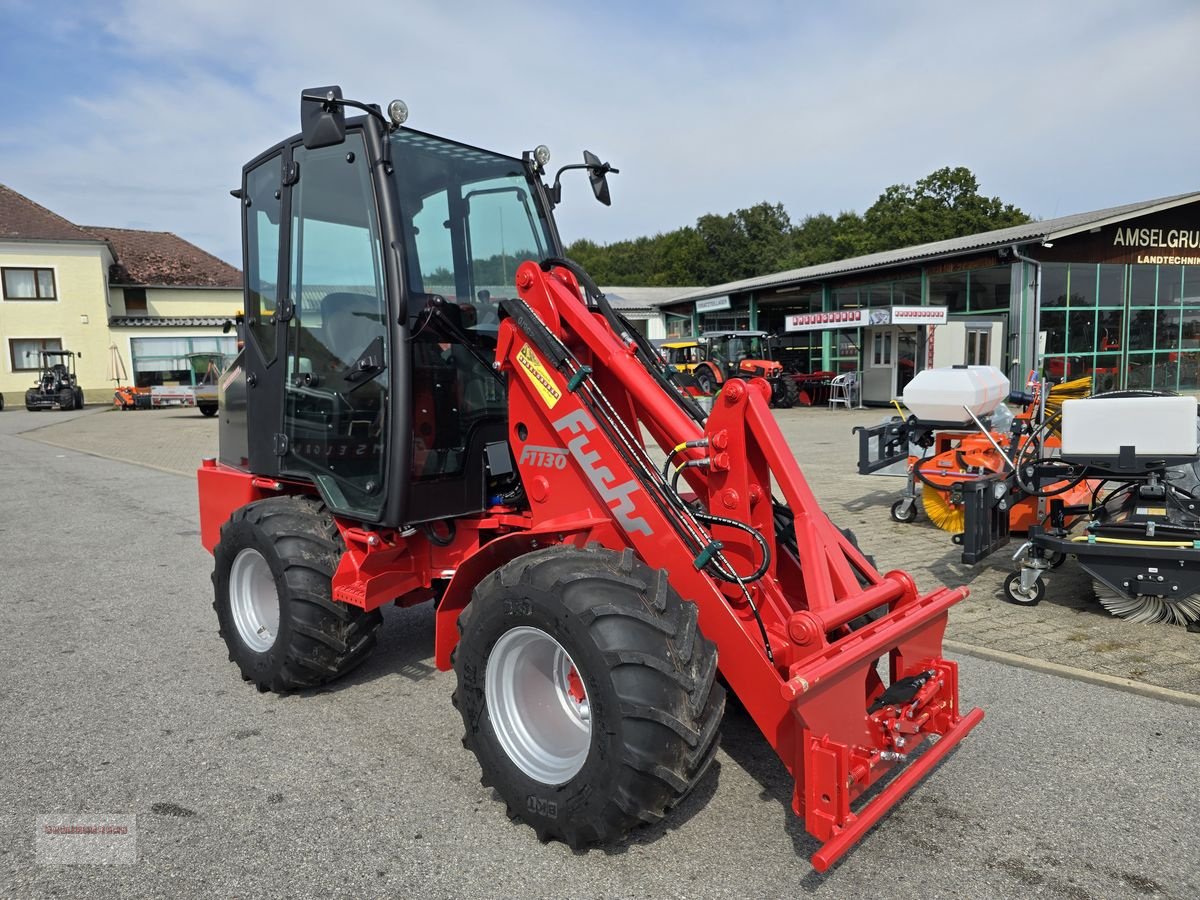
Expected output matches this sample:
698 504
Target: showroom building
1114 294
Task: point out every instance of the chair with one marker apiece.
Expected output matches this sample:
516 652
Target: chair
841 389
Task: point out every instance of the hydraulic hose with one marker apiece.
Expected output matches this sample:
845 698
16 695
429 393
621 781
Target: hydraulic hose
626 332
1090 539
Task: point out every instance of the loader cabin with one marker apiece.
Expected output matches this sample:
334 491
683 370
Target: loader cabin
375 259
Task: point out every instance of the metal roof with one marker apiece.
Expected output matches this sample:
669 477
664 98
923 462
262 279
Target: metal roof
642 299
1030 232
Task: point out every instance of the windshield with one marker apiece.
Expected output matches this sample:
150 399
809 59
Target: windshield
742 346
469 219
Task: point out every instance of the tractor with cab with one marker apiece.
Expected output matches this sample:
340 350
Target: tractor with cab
433 405
727 355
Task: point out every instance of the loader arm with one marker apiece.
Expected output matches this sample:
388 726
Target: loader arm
787 622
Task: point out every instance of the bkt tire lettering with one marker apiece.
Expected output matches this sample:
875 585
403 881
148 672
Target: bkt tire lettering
619 497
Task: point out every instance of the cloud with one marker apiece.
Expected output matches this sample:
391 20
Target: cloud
705 107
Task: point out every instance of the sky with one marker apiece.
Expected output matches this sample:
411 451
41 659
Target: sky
141 113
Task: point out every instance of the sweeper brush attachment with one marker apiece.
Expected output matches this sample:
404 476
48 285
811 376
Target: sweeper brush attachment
1145 609
941 512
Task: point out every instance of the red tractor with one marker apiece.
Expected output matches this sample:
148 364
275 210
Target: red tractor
745 355
386 440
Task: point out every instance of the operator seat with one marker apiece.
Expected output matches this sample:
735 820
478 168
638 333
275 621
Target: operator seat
349 323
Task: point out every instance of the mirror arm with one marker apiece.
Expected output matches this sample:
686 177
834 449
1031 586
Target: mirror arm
370 109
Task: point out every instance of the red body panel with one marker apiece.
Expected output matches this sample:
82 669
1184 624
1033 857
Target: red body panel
809 692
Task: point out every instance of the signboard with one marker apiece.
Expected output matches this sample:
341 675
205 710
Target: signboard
713 304
857 318
819 321
918 315
1167 238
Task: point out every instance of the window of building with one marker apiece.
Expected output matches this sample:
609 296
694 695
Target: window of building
881 350
29 284
979 343
135 300
949 291
23 352
173 360
1054 285
678 326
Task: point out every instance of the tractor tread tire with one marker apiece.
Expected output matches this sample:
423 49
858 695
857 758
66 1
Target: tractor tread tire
789 393
319 639
650 674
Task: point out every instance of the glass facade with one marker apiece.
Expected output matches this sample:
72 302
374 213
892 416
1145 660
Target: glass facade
799 351
1117 302
1125 326
169 360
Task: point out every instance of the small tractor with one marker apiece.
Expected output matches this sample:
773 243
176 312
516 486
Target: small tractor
386 440
56 383
725 355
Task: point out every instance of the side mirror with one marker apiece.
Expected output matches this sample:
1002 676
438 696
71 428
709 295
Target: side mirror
598 175
322 117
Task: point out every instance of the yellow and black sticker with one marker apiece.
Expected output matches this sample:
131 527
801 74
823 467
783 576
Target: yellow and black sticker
538 376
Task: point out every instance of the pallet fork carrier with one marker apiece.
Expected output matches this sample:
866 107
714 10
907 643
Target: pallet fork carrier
799 617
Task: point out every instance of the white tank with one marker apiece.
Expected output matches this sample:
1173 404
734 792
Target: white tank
939 395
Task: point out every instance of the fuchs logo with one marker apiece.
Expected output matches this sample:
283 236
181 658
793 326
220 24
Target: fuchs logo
541 807
544 457
619 497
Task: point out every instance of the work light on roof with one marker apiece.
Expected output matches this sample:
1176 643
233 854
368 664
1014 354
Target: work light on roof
541 153
398 112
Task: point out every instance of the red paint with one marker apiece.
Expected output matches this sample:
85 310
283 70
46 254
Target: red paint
810 701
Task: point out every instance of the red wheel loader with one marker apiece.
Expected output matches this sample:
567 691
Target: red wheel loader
432 405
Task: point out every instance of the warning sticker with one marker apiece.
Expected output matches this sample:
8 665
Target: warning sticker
539 376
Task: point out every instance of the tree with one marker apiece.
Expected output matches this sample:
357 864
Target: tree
942 205
761 239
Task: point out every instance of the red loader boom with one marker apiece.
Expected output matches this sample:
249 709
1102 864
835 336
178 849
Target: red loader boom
588 602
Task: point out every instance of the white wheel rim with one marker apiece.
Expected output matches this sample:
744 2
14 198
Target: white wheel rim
254 600
538 705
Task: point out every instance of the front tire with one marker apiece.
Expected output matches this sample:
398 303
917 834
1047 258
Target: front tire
66 399
587 692
786 392
272 578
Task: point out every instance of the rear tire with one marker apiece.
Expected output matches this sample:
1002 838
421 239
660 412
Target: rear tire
273 570
705 382
633 721
786 392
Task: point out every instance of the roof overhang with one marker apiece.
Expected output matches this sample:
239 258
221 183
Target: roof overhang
1113 220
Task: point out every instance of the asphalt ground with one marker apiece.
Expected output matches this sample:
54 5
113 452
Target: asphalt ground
1069 628
118 700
